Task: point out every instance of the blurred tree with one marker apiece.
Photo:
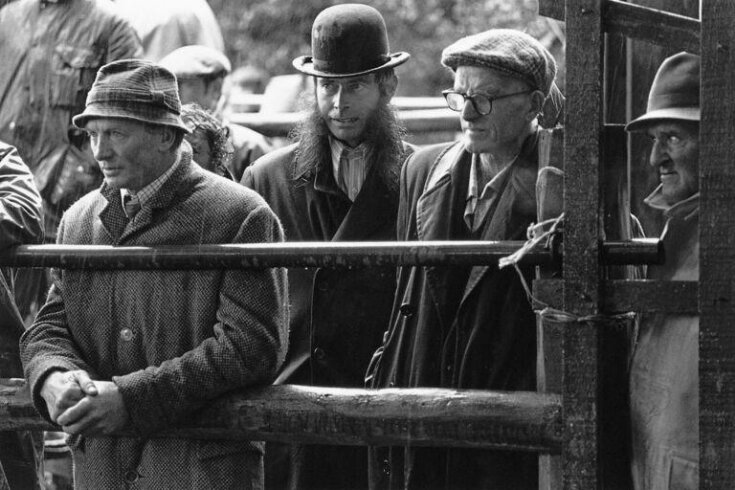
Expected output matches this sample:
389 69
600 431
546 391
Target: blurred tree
269 34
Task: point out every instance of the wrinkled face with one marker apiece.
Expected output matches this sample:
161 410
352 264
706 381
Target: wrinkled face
675 154
507 125
346 104
201 152
195 90
126 152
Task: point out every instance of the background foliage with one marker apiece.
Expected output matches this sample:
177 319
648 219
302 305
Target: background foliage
269 34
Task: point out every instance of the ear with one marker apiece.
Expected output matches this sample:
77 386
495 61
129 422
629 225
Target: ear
165 139
389 86
537 105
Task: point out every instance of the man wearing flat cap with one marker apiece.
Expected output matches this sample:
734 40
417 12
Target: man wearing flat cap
338 182
141 350
469 327
200 72
664 377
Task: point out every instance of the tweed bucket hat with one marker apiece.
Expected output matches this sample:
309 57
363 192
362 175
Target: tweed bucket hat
348 40
508 51
196 61
134 89
674 93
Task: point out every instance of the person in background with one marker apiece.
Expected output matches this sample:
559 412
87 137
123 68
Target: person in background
164 25
51 52
21 222
208 140
664 375
200 72
337 182
143 350
469 327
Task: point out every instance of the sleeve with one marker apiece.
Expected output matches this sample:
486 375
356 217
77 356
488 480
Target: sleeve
248 346
123 41
21 219
48 345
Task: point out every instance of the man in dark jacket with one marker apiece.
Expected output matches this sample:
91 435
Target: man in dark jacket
339 182
469 327
51 52
21 222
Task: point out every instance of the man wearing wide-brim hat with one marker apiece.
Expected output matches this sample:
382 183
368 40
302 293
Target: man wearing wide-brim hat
337 182
664 377
469 327
142 350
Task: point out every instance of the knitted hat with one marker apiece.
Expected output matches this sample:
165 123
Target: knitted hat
508 51
674 93
348 40
196 61
134 89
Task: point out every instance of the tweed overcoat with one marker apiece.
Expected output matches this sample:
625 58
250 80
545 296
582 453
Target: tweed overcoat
170 340
458 327
337 316
20 222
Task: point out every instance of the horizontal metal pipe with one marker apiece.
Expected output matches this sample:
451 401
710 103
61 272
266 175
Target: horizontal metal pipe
304 254
305 414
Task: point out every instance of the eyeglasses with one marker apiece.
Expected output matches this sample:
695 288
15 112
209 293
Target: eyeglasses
482 104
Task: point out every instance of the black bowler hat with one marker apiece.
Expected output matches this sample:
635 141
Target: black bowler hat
348 40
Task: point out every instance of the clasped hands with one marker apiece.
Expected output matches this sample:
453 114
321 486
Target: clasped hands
83 406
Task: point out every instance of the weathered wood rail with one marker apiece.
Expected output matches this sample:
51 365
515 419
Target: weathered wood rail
306 414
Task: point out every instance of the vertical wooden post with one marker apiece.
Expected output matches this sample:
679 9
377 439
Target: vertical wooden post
582 233
717 247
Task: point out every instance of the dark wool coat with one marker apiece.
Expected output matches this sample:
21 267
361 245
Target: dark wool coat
337 316
171 340
458 327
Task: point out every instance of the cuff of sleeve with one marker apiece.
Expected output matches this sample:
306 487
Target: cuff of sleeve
146 410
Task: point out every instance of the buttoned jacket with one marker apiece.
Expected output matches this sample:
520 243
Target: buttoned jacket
171 340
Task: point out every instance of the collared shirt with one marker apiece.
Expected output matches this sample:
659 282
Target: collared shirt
479 202
146 193
686 208
350 166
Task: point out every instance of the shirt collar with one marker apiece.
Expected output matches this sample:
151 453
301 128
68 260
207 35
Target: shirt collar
685 208
145 194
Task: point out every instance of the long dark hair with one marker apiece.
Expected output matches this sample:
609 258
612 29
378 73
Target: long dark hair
383 134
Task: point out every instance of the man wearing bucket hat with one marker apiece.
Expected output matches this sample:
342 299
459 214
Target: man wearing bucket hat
141 350
664 387
469 327
338 182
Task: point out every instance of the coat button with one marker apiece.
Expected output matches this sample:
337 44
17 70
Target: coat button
319 354
131 476
407 310
126 334
322 286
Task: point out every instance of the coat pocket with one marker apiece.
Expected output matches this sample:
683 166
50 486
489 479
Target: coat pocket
74 70
683 474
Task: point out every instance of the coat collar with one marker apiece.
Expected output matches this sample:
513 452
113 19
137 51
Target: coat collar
113 217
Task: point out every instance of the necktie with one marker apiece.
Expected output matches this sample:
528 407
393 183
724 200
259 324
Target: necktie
131 204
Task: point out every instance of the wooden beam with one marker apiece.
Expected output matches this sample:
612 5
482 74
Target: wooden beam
621 296
655 26
553 9
582 236
717 248
305 414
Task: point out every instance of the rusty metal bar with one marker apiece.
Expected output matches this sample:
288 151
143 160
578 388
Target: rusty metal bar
306 414
304 254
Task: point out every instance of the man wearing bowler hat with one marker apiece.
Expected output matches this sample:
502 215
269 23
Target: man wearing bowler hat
142 350
469 327
337 182
664 386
